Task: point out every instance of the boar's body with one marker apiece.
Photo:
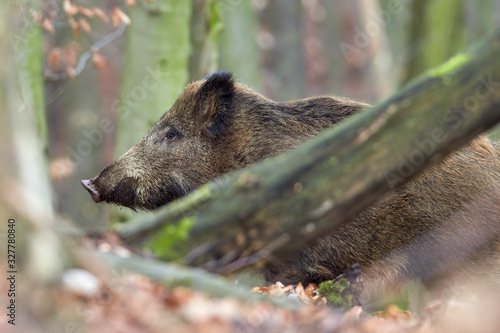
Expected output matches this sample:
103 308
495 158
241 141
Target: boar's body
449 214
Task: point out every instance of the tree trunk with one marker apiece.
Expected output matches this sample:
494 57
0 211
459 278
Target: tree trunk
205 29
282 204
436 33
238 48
36 256
284 63
172 275
31 195
156 70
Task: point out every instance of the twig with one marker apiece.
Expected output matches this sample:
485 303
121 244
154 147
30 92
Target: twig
84 58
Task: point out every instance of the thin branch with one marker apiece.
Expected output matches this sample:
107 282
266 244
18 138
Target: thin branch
86 56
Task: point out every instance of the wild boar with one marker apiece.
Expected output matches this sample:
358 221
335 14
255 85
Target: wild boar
217 125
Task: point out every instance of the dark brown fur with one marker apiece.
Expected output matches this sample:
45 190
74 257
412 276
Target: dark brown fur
435 221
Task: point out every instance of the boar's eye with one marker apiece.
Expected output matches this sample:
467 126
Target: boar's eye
170 136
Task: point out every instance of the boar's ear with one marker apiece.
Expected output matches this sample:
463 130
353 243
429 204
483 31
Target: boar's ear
216 98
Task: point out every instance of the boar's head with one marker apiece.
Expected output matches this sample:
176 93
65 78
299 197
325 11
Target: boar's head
179 153
215 126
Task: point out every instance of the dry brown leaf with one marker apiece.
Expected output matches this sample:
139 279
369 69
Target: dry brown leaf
311 290
47 25
71 54
130 3
262 290
119 16
69 8
76 30
395 313
115 19
299 290
178 296
98 60
86 12
71 73
74 25
84 25
100 14
55 57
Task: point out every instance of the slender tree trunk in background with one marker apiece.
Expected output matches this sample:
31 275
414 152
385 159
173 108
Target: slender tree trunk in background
380 78
416 35
25 105
315 52
238 49
496 16
446 29
26 189
3 69
284 63
337 63
74 115
367 59
352 62
156 70
478 19
436 33
204 32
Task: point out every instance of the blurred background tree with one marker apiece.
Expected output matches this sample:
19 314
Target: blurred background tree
111 68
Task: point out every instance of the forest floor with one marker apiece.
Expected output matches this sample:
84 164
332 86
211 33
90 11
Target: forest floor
129 302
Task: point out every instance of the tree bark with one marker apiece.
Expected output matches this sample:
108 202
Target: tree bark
33 256
30 193
282 204
172 275
156 70
205 29
283 61
436 32
238 48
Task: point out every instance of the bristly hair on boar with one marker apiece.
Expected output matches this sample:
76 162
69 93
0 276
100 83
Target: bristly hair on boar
445 220
215 126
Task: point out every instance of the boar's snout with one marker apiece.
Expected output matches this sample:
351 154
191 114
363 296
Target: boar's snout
89 186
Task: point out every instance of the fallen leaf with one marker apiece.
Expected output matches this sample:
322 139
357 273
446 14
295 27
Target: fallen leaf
71 73
55 57
98 60
69 8
119 16
86 12
74 25
47 25
100 14
130 3
84 25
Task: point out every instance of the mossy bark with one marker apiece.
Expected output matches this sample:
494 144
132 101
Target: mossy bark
36 254
173 275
